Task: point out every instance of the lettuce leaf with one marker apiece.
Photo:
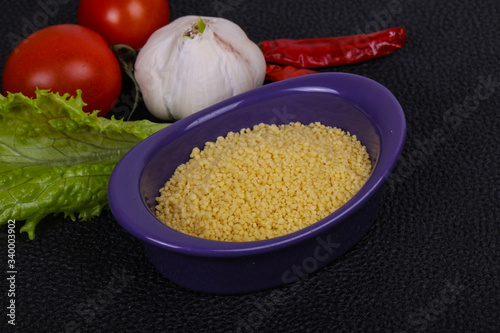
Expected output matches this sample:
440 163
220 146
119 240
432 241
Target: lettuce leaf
55 158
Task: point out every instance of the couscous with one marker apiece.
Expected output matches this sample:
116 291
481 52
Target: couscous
264 182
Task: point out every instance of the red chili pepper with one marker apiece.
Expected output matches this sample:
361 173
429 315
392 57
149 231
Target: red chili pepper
279 73
333 51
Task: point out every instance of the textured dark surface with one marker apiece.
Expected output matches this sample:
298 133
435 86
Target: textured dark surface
430 263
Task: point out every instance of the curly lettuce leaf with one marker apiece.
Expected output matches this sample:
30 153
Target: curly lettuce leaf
55 158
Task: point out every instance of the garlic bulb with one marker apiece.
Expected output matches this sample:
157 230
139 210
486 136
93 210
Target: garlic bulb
194 62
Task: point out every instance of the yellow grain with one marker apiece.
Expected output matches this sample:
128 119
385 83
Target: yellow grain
264 182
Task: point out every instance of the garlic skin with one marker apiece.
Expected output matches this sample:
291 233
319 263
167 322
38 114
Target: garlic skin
180 75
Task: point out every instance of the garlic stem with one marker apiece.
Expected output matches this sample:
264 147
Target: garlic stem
194 30
201 25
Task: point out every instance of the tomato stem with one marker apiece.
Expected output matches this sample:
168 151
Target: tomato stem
126 56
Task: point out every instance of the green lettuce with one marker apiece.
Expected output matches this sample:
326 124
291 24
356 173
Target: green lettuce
55 158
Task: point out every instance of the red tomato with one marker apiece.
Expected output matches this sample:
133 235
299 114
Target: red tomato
64 58
129 22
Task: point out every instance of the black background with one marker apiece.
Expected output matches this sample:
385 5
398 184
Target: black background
430 263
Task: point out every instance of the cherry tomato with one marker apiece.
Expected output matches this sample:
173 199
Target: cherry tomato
129 22
64 58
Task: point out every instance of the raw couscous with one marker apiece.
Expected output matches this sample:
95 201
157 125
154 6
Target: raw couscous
264 182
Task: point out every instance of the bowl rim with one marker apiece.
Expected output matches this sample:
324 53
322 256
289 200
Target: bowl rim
173 240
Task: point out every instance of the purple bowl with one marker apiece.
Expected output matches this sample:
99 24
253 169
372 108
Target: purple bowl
351 102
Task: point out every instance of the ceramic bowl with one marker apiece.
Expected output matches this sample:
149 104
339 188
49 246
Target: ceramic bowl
351 102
